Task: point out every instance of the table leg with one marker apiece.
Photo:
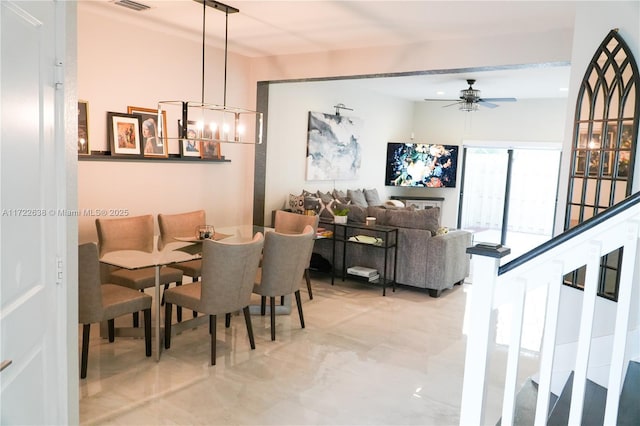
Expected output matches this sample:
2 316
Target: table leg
157 303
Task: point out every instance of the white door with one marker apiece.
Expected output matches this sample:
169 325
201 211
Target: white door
34 386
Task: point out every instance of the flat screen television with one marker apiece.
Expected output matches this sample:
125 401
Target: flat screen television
421 165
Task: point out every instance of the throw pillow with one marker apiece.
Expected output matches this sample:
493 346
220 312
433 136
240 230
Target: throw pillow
357 197
428 219
340 196
326 209
326 197
296 203
372 197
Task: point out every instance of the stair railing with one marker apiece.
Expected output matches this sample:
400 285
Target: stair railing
546 265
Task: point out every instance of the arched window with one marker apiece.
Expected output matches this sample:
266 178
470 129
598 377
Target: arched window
603 153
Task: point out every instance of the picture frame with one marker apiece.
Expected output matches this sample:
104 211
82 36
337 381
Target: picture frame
210 150
125 134
190 147
152 145
83 128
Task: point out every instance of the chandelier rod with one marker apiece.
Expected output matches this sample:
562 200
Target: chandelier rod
226 9
204 14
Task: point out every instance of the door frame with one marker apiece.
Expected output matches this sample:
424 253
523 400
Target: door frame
509 146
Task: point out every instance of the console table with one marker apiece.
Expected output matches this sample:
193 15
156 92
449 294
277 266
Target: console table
342 234
420 202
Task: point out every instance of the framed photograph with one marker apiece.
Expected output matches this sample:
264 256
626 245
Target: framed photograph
152 145
210 150
83 128
125 134
191 147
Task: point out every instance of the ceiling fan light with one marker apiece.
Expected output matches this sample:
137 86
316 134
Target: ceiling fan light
468 106
470 94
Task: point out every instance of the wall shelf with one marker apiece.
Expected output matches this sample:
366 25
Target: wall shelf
106 156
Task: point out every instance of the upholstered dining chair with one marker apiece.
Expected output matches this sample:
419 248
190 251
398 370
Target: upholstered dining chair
294 223
104 302
284 258
181 225
132 233
228 274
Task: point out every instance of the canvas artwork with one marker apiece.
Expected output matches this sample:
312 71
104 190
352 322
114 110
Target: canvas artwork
333 147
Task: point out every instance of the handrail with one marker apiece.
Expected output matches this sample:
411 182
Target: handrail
625 204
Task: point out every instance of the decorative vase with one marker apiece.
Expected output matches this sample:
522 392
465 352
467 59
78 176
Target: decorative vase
340 219
205 232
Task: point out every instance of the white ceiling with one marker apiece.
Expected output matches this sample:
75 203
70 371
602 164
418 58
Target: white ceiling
272 27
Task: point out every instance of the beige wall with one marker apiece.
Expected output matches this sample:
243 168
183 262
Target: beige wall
121 63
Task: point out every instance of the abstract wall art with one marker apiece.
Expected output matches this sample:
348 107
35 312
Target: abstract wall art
333 147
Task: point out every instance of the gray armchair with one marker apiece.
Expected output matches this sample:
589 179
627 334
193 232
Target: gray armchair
228 272
285 257
104 302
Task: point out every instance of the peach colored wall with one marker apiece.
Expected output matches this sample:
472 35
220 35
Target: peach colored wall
121 63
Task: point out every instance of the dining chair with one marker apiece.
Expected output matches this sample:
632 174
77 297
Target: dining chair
284 258
99 302
181 225
228 274
132 233
294 223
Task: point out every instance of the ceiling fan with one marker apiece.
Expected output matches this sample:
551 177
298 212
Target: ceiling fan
470 99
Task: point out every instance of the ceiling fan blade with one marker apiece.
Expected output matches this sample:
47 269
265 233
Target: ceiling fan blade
447 100
455 103
499 99
487 104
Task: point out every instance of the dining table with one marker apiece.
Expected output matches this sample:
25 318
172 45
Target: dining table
183 249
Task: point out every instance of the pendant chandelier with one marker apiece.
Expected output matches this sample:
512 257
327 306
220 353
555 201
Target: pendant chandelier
207 122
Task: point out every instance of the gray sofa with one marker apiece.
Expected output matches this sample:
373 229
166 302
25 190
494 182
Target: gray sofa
428 257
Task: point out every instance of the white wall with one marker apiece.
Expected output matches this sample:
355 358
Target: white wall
384 119
120 64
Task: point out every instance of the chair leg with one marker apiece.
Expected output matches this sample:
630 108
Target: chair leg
193 280
299 303
272 301
263 305
227 320
147 331
136 320
247 320
86 329
281 300
166 286
307 277
167 325
212 330
111 326
179 308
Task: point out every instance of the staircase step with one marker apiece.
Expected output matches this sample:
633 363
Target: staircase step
629 409
592 412
525 412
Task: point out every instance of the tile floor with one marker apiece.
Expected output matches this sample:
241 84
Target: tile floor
362 359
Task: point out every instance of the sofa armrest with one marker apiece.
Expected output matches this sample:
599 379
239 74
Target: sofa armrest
448 261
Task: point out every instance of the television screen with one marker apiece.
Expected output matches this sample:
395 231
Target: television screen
421 165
